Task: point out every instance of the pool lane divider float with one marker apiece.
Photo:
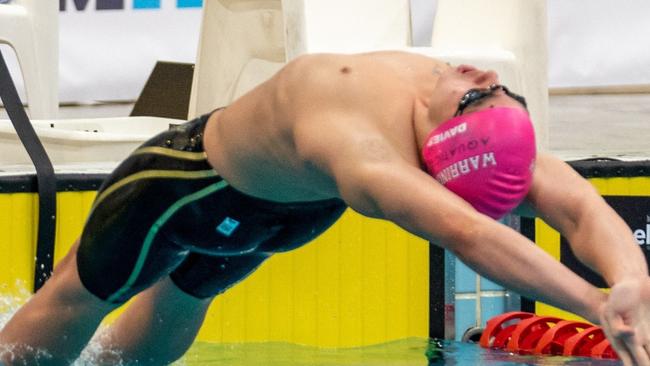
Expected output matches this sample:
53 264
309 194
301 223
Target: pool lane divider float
529 334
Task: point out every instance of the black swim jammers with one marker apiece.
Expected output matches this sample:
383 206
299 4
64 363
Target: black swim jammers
165 211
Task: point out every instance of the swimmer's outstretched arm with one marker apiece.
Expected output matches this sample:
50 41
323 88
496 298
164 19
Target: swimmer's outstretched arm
378 181
604 242
417 203
597 235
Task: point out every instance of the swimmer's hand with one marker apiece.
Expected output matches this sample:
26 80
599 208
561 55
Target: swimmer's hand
625 318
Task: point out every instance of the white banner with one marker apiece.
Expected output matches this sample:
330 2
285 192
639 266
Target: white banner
599 42
108 54
109 47
591 42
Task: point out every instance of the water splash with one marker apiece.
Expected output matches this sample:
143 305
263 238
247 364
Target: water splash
95 351
38 354
10 302
9 305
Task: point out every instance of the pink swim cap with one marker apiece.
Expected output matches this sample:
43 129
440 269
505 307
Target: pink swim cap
485 157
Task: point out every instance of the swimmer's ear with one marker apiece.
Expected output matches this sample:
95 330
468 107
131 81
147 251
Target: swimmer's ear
525 209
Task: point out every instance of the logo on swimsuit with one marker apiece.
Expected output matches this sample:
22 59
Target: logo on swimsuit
227 226
466 166
440 137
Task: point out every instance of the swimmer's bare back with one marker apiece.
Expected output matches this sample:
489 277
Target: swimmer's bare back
276 142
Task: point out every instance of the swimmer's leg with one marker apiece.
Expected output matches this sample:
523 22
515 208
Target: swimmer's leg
163 321
60 318
157 328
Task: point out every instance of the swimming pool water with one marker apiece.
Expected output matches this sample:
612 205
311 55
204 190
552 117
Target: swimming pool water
407 352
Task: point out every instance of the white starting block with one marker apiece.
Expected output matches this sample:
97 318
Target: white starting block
76 141
244 42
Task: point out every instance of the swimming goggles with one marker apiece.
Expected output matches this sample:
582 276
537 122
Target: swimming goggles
474 95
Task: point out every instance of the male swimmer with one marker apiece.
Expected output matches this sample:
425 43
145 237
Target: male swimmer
199 207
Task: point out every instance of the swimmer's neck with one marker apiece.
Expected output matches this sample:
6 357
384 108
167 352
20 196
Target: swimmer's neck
422 123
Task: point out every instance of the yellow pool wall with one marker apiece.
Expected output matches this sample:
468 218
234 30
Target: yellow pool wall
363 282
